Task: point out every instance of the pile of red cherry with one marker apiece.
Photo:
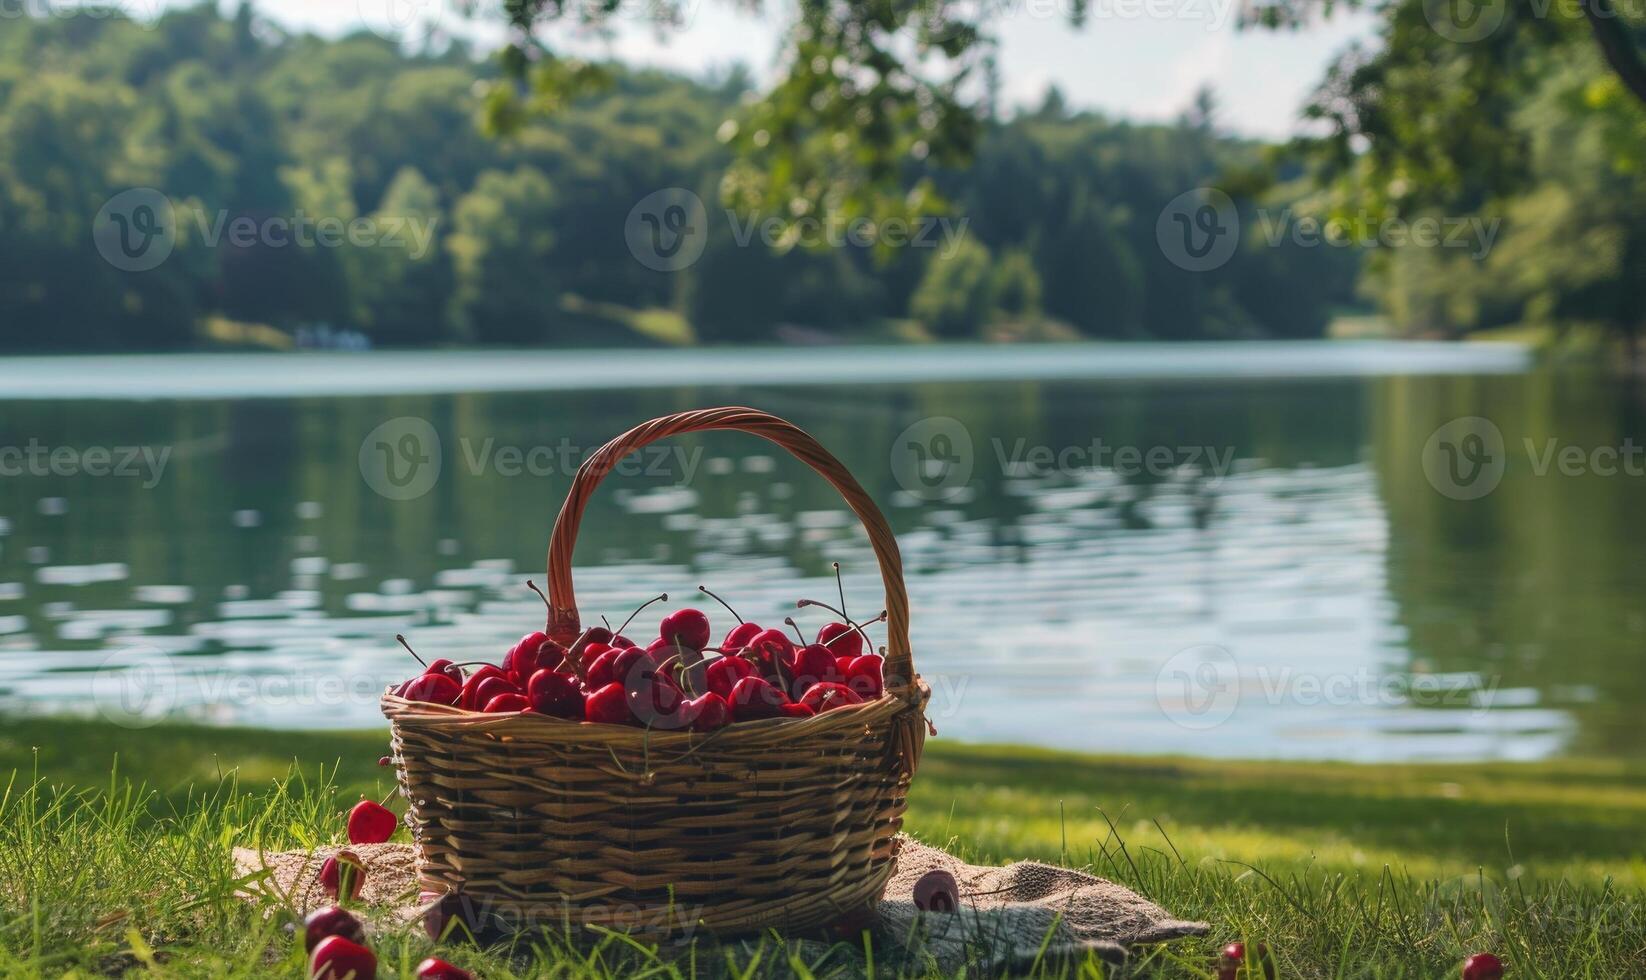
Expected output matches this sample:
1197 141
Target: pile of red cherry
678 681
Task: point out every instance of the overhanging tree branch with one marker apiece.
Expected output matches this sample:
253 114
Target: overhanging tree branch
1613 36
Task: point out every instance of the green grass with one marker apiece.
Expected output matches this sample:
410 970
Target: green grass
1342 870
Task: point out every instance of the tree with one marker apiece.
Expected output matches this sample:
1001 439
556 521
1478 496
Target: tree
500 248
955 299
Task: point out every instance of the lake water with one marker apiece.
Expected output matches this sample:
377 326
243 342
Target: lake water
1252 550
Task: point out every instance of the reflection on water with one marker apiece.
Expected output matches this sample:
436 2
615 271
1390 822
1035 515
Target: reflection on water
1209 566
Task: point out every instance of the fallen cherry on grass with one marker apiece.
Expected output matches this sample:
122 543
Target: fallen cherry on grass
936 891
371 823
1233 957
337 958
1483 966
331 921
434 968
343 869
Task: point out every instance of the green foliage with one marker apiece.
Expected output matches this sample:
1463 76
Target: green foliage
956 296
472 238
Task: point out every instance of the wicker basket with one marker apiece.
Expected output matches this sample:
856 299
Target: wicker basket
785 823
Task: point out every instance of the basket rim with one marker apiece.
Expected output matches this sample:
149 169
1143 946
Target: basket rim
541 727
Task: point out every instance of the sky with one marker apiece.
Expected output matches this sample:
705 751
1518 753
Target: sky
1137 59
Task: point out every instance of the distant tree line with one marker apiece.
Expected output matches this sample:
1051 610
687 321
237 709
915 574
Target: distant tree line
1049 230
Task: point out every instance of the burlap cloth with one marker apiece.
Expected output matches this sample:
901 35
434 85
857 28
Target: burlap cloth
1005 918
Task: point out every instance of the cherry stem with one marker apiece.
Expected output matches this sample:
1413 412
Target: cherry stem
660 598
705 590
799 635
840 584
803 603
606 623
402 641
549 618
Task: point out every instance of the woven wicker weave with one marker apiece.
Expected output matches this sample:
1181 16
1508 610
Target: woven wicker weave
785 823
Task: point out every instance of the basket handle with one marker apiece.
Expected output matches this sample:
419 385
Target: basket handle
565 625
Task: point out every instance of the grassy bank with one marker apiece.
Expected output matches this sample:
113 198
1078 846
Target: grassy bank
1345 871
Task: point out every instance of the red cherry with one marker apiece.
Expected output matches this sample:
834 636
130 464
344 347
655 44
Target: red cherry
526 648
432 688
654 700
740 636
755 697
491 687
865 676
447 668
827 695
1234 955
841 640
555 694
621 641
438 969
708 712
768 646
725 672
469 699
331 921
687 627
371 823
1483 966
794 709
630 662
343 868
608 706
812 665
336 958
936 891
599 672
508 702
